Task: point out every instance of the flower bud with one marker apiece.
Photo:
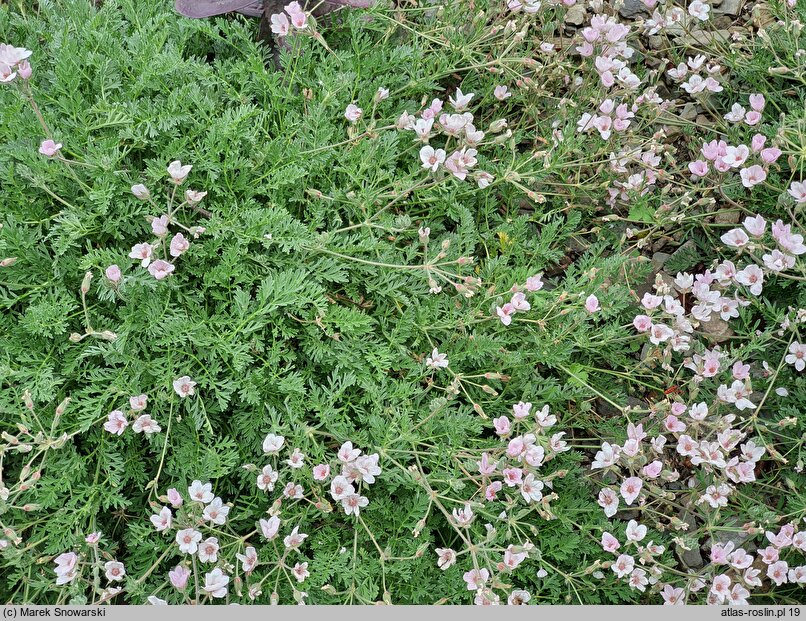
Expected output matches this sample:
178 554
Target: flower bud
8 262
141 192
85 284
497 126
24 70
75 337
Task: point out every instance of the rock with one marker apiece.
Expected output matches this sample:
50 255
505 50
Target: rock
739 537
704 37
689 112
655 42
659 260
704 120
684 251
716 329
690 558
727 216
632 9
722 22
729 7
575 15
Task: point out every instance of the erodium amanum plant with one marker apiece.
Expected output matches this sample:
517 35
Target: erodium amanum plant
472 302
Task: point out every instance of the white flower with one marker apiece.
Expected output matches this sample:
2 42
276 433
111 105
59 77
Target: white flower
270 527
188 540
177 172
352 113
208 550
162 520
216 512
461 100
699 10
273 443
114 570
437 360
184 386
215 583
201 493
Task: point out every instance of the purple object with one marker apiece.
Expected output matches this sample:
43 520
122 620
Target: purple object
207 8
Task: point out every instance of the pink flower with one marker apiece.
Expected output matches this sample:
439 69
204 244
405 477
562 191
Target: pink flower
184 386
757 102
642 323
299 19
534 283
752 176
755 225
798 191
321 472
698 168
179 245
432 158
757 143
635 531
162 520
630 489
113 273
609 501
142 252
24 70
445 558
609 542
492 489
505 313
116 422
177 172
145 424
159 226
279 24
735 238
476 578
160 269
352 113
623 565
673 596
752 118
175 498
501 425
269 528
49 148
770 155
140 191
179 577
777 572
93 538
592 304
501 93
521 410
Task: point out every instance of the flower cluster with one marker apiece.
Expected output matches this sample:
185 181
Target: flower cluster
147 252
118 421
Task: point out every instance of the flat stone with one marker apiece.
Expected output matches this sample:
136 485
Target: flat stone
716 329
689 112
731 216
705 37
659 260
729 7
632 9
575 15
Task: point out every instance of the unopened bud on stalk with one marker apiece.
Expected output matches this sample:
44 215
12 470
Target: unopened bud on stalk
26 399
9 438
85 284
108 335
497 126
446 244
62 407
75 337
8 262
